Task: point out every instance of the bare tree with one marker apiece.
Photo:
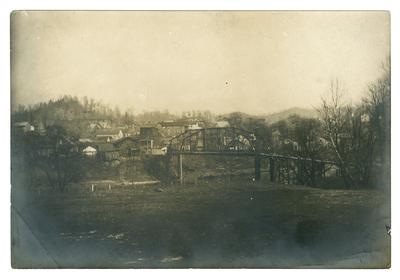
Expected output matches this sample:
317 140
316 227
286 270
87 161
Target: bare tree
376 105
54 154
359 136
307 134
334 115
361 145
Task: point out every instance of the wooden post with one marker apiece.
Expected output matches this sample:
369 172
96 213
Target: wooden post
204 140
257 168
181 168
167 167
92 187
272 169
109 187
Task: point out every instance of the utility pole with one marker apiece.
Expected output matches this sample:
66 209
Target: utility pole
181 168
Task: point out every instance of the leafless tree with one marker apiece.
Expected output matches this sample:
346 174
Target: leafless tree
359 136
376 105
60 163
307 132
334 114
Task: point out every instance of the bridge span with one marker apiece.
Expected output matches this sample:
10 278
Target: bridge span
236 142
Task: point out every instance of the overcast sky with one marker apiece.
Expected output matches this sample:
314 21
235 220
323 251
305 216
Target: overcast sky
255 62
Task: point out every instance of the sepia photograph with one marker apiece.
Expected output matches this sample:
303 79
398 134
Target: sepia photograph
200 139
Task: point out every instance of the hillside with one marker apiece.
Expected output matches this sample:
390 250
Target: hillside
302 112
240 117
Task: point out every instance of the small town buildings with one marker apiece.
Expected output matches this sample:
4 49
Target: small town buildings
85 140
148 132
146 145
107 152
104 138
149 138
23 127
96 124
172 128
132 131
109 135
89 151
194 126
128 146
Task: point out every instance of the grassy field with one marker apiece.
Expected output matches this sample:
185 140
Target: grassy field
214 224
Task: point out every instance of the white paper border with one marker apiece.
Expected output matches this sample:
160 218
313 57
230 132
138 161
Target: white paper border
8 6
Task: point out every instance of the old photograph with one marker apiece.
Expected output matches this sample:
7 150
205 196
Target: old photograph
200 139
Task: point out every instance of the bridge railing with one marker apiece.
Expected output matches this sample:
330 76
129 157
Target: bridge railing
214 139
237 142
282 169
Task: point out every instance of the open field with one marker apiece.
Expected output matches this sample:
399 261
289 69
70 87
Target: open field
243 224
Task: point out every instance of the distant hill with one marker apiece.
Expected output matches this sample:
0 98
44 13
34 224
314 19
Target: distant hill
240 119
72 113
301 112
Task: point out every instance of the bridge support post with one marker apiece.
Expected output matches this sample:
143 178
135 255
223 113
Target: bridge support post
272 169
257 168
167 160
181 169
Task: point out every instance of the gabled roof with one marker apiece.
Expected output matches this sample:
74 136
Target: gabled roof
89 149
128 138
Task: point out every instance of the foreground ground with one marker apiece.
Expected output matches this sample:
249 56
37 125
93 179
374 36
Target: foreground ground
240 224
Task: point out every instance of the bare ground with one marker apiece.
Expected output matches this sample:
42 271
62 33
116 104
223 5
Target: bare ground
240 224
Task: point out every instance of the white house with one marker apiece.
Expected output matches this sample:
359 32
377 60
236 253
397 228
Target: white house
110 135
89 151
24 126
195 126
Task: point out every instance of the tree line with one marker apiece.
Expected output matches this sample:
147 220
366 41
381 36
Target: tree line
355 136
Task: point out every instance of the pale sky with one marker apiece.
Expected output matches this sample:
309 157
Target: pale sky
254 62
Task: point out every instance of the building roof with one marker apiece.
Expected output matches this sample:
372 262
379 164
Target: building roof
20 124
106 147
85 140
108 132
103 138
194 127
89 149
105 135
173 123
128 138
